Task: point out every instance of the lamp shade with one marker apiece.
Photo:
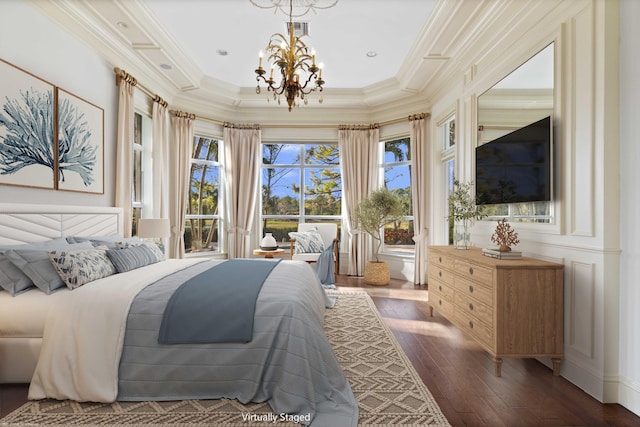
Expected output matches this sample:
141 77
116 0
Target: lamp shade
154 227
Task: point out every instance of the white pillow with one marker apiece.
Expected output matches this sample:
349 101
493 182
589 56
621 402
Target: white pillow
307 242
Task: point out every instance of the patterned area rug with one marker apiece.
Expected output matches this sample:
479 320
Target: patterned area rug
387 387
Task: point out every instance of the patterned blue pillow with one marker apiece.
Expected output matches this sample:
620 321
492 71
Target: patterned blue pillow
77 267
131 258
307 242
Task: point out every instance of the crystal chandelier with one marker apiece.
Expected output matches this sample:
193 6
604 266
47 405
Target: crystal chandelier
299 74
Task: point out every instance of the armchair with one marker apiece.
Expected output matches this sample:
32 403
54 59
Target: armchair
329 234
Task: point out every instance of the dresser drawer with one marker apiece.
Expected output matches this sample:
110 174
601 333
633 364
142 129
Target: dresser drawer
472 307
441 260
474 327
444 290
443 305
436 272
480 291
473 272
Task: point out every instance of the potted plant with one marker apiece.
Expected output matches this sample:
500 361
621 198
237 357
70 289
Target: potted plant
378 209
463 211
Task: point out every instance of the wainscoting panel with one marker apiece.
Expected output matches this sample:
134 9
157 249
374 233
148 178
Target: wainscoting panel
581 292
582 75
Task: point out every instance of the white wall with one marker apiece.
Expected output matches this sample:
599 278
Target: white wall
34 43
602 348
629 393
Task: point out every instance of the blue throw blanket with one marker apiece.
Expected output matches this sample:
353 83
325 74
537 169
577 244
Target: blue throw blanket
325 267
218 305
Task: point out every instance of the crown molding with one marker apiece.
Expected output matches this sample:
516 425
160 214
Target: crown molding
457 44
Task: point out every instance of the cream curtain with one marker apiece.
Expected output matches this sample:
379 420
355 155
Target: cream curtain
160 158
179 168
124 149
359 164
242 155
419 150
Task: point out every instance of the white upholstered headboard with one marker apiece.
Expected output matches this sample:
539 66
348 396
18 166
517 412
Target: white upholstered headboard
27 223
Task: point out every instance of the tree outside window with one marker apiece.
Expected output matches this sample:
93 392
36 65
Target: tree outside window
137 183
300 183
396 165
202 227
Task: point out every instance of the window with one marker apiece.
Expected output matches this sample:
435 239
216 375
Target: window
141 131
202 228
448 135
396 166
300 183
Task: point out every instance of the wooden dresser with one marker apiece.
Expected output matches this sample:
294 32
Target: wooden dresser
512 308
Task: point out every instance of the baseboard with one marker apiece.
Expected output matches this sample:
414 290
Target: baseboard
629 395
608 389
590 382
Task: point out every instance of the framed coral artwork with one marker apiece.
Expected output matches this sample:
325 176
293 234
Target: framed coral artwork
27 155
80 165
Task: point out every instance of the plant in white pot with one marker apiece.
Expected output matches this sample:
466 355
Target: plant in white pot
463 211
378 209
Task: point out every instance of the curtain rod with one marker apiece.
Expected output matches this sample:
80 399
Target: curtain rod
122 74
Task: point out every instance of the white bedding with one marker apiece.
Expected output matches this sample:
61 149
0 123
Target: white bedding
24 315
63 372
289 362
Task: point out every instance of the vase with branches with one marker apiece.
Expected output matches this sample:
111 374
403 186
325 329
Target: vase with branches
463 211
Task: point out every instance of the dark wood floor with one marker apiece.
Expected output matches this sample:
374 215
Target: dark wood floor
459 374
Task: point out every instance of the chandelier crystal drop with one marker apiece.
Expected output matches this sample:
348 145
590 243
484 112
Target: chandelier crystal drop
296 64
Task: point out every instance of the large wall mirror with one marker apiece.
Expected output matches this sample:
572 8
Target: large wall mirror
523 97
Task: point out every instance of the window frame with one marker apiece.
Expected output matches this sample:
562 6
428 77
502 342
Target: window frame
381 177
142 144
219 164
301 167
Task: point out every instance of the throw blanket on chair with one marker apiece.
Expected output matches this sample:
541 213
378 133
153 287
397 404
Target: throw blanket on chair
325 266
201 308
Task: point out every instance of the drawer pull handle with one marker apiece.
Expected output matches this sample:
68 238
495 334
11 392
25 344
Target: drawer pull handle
470 324
440 288
471 288
440 259
440 273
440 301
470 306
470 270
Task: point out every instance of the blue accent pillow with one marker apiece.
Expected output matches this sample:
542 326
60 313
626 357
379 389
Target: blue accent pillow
154 248
108 241
12 279
35 263
131 258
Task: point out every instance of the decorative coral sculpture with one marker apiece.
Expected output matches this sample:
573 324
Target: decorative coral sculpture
504 236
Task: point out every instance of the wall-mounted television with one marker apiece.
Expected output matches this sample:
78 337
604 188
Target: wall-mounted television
516 167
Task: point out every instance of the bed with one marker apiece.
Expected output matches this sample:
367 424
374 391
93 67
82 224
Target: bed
288 362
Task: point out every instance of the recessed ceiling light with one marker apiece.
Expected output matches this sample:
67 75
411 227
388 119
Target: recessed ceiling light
372 54
166 66
222 52
122 24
